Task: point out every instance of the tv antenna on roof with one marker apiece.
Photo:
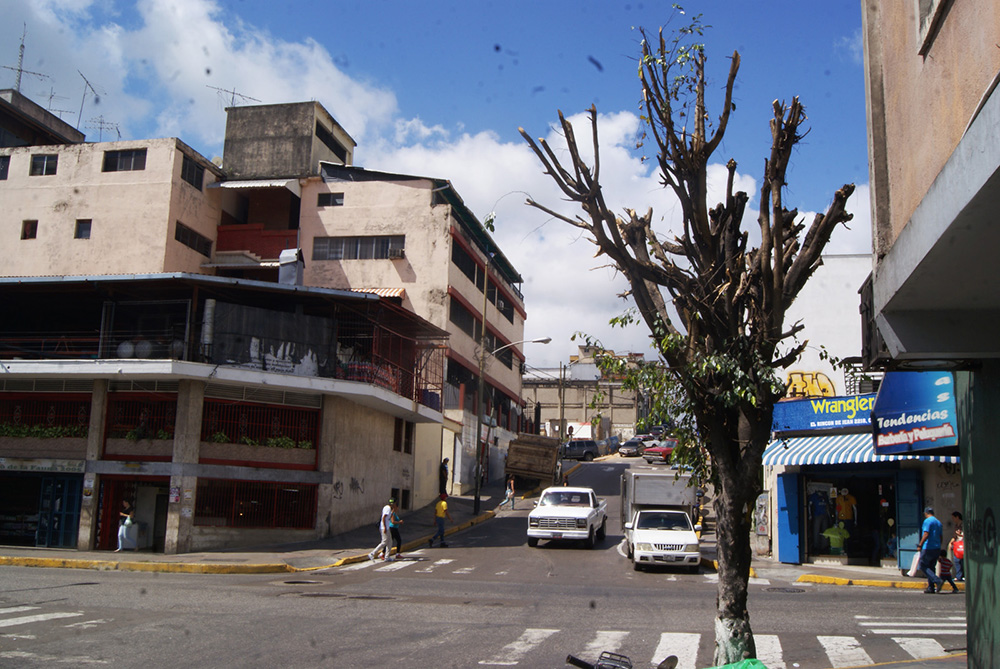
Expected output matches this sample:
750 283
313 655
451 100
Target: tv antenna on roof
87 86
20 64
51 95
101 125
233 95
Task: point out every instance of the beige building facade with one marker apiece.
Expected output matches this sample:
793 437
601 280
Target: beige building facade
931 74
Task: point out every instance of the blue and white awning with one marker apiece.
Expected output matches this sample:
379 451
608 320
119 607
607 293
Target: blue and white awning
835 449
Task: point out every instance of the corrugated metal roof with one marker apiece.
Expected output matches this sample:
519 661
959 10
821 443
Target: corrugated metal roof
290 184
835 449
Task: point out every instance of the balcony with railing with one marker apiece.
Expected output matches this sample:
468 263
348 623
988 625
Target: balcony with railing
266 330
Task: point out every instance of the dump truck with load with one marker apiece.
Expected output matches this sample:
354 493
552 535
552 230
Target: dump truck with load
533 456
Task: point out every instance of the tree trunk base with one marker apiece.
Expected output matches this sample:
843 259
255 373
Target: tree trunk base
733 641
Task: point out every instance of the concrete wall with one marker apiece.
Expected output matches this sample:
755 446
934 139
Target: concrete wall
931 99
828 308
133 213
366 468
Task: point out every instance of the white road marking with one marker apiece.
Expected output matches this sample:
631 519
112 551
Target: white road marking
437 563
395 565
844 651
603 640
21 655
769 650
358 565
920 649
25 620
87 624
17 609
684 646
512 653
714 578
464 570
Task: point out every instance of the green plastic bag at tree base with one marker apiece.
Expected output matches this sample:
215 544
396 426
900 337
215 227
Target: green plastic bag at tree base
752 663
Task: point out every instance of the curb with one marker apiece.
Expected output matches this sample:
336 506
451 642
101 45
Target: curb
163 567
876 583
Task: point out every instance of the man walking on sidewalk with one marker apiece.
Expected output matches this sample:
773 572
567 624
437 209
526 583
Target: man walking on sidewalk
930 549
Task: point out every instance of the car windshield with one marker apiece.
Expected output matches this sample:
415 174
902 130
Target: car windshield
565 499
660 520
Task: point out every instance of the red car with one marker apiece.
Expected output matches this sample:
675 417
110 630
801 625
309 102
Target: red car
659 453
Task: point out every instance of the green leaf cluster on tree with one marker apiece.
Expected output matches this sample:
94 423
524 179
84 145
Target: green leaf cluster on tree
714 305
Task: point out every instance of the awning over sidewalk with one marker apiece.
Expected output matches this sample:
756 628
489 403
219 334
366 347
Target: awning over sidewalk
834 449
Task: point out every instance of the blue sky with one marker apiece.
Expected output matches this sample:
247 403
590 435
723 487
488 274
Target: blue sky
440 88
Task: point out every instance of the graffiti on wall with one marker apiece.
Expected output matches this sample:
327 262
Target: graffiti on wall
810 384
357 486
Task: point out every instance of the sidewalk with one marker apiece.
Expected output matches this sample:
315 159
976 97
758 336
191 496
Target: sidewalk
353 546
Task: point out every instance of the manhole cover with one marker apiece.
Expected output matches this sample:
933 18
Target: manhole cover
786 590
322 594
370 597
302 582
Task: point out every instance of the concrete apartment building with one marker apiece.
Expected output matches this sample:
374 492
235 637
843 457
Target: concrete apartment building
285 212
932 69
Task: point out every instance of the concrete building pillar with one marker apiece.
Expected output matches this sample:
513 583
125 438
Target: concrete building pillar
326 461
87 532
187 446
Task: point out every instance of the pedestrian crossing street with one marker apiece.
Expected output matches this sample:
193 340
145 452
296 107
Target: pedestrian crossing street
694 650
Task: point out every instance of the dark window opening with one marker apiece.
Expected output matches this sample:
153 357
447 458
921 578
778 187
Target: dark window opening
4 167
29 229
359 248
82 230
43 164
193 240
330 142
128 160
192 172
330 200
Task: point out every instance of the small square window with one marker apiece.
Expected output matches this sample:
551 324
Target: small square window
43 164
29 229
4 167
82 228
330 200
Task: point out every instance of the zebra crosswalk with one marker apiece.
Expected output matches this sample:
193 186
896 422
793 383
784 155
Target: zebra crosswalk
533 645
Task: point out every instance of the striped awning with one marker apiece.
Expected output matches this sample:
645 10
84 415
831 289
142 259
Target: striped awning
835 449
382 292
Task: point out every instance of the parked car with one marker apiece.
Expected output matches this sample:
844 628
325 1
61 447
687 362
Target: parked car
581 449
632 448
660 453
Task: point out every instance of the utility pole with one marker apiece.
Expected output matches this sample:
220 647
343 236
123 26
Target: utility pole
482 387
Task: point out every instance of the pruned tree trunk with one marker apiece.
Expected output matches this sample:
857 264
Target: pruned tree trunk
730 300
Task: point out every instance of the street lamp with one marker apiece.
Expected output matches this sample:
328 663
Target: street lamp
479 406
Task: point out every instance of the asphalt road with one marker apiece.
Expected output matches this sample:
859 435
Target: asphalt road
486 600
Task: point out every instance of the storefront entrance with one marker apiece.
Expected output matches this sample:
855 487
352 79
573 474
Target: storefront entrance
39 509
148 497
851 515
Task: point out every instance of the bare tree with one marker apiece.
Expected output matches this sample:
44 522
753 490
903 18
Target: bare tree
730 300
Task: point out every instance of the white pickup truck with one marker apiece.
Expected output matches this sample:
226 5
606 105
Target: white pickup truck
568 513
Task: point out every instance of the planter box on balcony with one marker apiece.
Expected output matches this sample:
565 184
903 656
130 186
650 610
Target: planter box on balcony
72 448
267 455
141 449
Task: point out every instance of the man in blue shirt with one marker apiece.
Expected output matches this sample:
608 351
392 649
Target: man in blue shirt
930 549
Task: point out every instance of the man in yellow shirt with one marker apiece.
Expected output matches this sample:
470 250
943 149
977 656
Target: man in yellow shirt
440 513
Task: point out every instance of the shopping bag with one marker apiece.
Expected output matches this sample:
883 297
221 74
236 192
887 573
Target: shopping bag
915 565
959 548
